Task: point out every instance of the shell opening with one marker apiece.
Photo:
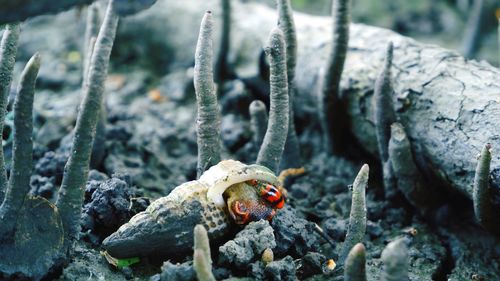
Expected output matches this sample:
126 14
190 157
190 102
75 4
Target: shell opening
228 172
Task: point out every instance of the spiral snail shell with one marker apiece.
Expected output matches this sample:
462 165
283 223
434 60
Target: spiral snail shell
165 228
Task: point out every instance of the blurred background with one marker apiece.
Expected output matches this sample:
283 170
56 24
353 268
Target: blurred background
469 26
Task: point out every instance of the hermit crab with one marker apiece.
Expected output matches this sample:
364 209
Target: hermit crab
227 194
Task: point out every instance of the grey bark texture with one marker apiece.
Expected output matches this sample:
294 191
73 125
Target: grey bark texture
357 219
76 170
449 106
19 10
22 149
208 119
291 154
277 127
8 51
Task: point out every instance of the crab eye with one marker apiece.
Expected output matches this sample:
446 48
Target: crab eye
273 195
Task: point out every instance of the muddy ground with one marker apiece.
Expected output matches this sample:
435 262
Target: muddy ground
150 148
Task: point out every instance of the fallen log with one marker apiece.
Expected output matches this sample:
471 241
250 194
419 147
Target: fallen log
19 10
449 106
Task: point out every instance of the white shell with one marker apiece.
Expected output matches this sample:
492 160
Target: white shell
228 172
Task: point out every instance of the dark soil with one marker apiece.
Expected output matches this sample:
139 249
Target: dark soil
151 148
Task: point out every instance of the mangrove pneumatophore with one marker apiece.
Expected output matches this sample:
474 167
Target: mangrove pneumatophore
395 261
408 177
483 208
384 116
202 260
291 153
331 113
357 219
70 199
91 32
8 51
277 128
222 68
355 263
36 236
22 151
258 121
208 118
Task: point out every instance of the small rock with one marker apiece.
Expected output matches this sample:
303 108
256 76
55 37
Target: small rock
294 235
177 272
374 229
178 86
311 264
325 206
95 175
221 273
248 245
52 165
235 99
51 133
257 270
336 228
120 131
235 132
282 270
108 206
42 186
